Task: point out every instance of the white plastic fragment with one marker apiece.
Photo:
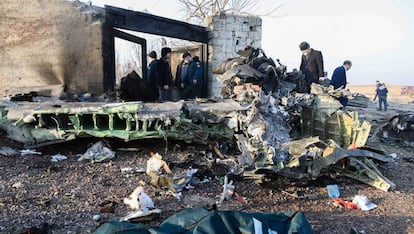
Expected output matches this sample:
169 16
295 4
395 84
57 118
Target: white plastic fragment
133 169
394 155
96 217
17 185
140 213
228 190
363 203
138 199
29 152
58 157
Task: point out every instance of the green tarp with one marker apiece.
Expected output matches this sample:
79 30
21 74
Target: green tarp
202 220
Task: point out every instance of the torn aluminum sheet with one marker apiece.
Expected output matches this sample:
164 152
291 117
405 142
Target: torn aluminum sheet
400 128
345 127
229 64
318 89
182 181
325 106
98 152
310 157
58 157
8 152
258 69
358 100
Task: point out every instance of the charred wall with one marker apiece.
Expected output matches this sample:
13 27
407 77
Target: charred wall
46 42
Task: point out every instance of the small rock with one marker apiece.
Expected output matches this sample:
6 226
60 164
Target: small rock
17 185
96 218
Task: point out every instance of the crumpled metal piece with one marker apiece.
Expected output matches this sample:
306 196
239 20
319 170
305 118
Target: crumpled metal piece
180 182
7 151
98 152
400 128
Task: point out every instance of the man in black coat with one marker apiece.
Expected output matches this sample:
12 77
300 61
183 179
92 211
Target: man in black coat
165 80
152 77
311 65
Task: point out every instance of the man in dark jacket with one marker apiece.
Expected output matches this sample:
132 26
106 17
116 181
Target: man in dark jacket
195 79
152 76
181 77
339 79
382 92
311 65
165 80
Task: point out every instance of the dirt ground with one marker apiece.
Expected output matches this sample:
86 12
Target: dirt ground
63 197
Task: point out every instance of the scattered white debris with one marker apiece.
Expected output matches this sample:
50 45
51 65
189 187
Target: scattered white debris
140 213
394 155
138 199
17 185
58 157
141 203
363 203
228 190
179 196
29 152
133 170
96 218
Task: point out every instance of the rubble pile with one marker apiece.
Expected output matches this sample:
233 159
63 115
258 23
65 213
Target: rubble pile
263 112
280 106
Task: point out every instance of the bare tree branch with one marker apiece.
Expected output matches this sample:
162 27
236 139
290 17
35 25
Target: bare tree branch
199 9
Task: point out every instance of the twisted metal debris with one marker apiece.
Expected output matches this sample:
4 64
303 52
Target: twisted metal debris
263 110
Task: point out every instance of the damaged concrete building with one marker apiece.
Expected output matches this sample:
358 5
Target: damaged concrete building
50 43
70 43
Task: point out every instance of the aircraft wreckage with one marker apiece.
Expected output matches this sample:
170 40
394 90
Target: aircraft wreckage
277 128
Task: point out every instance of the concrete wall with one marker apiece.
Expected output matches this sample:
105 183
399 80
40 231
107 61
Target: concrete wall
229 34
45 42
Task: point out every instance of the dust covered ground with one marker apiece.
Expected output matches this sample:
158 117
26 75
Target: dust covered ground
62 197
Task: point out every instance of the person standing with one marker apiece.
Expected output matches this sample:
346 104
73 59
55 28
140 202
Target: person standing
382 92
181 77
152 76
377 84
338 79
195 78
311 65
165 77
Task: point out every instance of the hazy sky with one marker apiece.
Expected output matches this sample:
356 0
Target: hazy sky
376 35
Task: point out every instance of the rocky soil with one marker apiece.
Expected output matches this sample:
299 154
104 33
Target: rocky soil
62 197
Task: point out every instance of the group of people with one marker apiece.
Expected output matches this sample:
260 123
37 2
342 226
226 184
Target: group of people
312 67
188 79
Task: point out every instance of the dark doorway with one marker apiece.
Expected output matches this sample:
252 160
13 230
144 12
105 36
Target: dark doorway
121 19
